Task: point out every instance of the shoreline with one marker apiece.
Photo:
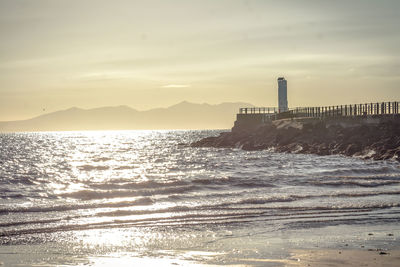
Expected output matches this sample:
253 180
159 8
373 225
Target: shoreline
329 246
346 257
293 258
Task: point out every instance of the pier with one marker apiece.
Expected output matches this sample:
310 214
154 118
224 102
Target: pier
352 110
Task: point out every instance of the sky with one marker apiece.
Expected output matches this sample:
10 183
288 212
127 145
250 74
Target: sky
57 54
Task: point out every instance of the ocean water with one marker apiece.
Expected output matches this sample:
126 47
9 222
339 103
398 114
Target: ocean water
91 198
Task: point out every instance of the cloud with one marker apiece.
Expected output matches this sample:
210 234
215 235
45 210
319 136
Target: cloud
104 76
176 86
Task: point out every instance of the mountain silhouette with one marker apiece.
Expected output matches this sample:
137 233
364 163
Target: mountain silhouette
184 115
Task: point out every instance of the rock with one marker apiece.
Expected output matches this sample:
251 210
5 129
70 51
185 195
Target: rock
378 142
352 149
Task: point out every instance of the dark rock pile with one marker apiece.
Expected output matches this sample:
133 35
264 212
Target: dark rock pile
377 141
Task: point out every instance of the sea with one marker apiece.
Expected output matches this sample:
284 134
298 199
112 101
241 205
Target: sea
134 198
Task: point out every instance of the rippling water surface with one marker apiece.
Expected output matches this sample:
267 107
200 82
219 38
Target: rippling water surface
149 193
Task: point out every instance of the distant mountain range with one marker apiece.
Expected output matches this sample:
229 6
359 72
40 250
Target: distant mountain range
184 115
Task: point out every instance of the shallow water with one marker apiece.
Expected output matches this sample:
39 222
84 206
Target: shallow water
76 197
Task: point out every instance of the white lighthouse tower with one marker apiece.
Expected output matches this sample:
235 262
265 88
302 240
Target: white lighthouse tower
282 95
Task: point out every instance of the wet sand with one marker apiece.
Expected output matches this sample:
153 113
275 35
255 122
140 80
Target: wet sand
335 257
32 255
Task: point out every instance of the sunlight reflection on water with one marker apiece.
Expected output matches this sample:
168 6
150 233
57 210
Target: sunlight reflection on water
102 194
164 258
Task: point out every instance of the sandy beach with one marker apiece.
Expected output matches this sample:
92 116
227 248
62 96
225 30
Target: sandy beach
299 258
335 257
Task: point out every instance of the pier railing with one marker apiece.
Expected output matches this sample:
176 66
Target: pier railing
263 110
382 108
368 109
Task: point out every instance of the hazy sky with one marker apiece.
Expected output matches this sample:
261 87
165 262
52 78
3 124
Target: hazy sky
57 54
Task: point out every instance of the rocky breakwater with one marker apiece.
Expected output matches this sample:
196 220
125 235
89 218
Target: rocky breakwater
368 137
